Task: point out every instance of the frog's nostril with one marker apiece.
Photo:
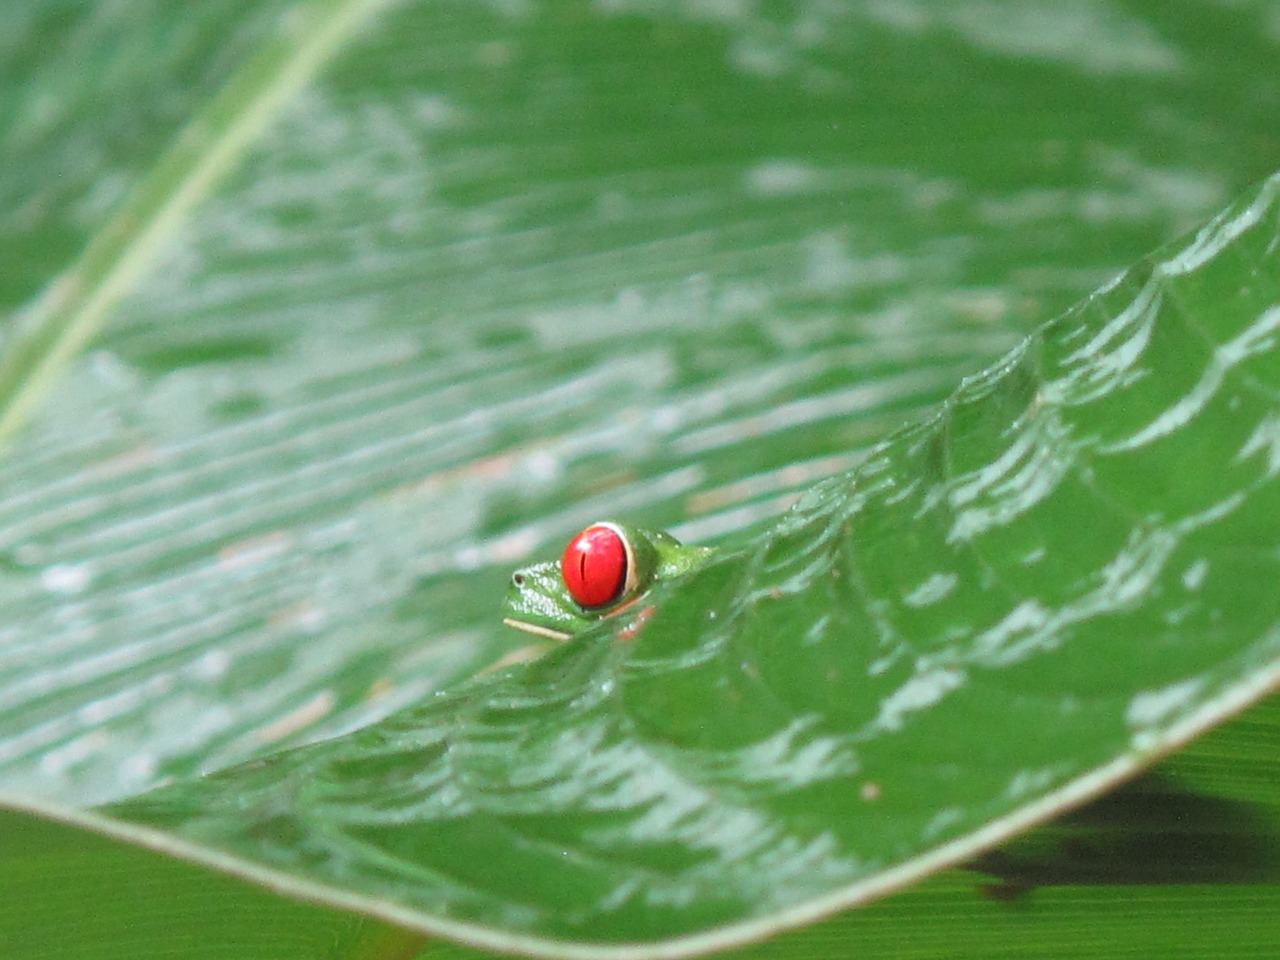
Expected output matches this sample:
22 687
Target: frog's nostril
517 579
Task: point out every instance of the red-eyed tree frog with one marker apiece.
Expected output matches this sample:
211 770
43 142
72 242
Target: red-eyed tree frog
604 569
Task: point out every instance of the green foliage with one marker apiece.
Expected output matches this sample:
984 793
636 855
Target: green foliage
401 295
1006 609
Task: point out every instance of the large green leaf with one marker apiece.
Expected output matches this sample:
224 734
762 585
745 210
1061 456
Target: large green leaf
1191 900
1008 608
1188 897
425 330
500 270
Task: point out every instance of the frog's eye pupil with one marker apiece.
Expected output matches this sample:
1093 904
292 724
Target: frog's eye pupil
594 566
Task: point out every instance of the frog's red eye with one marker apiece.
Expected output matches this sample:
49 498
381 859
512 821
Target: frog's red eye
594 566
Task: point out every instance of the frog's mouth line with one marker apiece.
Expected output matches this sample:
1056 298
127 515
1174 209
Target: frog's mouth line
535 629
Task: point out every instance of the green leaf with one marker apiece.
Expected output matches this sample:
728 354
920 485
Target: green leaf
70 313
113 901
499 270
1009 608
421 333
1083 915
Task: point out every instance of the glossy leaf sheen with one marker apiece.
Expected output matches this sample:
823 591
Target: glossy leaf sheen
447 312
1010 605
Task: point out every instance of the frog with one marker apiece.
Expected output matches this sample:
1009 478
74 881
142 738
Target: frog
604 570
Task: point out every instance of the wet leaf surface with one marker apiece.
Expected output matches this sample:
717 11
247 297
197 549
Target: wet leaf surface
498 271
1008 608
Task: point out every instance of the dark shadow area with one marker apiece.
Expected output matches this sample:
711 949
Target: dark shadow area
1149 831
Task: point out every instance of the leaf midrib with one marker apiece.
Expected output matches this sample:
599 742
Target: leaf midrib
65 318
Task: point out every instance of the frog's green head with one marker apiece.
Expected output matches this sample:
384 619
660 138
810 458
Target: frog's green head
604 569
